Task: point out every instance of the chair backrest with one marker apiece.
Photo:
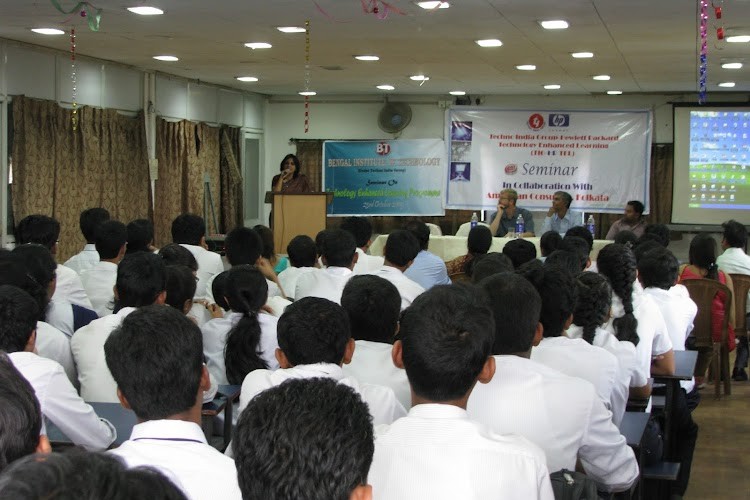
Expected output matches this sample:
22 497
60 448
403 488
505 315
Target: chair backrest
460 278
703 291
464 229
741 285
434 229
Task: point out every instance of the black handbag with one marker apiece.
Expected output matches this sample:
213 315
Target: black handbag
570 485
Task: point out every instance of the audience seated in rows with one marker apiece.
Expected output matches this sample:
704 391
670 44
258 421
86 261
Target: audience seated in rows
548 243
111 239
490 264
302 259
189 230
401 248
88 221
361 229
140 236
338 254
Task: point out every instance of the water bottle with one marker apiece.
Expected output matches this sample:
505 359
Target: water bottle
474 220
520 226
590 225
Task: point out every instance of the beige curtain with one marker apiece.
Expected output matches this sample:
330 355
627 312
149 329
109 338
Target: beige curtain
60 172
310 154
231 179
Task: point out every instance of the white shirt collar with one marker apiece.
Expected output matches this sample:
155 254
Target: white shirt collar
89 247
168 430
327 370
338 271
437 410
124 312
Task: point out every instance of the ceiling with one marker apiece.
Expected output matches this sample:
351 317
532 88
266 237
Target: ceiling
647 46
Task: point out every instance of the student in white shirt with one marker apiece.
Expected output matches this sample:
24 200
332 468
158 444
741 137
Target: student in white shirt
373 306
111 239
328 428
559 413
314 341
361 229
437 451
180 287
401 248
245 338
58 399
302 259
156 358
141 281
189 230
88 221
338 254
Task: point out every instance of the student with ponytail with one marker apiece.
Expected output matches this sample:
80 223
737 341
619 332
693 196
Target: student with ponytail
245 339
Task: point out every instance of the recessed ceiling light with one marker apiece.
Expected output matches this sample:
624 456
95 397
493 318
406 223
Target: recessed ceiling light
291 29
726 84
258 45
166 58
490 42
386 87
732 65
146 11
419 78
367 58
307 93
614 92
552 86
601 78
434 5
457 92
246 78
554 24
526 67
738 39
582 55
48 31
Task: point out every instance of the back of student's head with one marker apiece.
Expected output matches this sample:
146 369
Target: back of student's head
516 306
490 264
219 289
660 230
305 438
140 236
373 305
658 268
110 236
338 248
446 335
735 234
243 246
13 272
156 358
39 229
78 474
39 264
549 242
188 229
579 247
645 246
314 330
703 253
583 233
246 292
564 259
594 303
301 251
177 255
420 230
18 317
266 235
181 287
627 238
90 220
20 414
360 228
520 251
557 289
141 277
479 240
617 263
401 247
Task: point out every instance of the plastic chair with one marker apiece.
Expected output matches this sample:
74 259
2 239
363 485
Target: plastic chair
434 229
464 229
703 291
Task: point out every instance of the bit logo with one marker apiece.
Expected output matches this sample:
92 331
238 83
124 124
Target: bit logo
536 122
383 148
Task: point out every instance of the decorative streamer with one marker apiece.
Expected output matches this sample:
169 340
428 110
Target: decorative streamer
379 8
92 14
73 79
703 57
307 75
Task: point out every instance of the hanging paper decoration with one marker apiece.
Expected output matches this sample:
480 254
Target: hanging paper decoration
92 14
307 75
73 79
703 57
379 8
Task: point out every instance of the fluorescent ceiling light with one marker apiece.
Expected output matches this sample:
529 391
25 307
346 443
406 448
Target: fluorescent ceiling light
307 93
726 84
419 78
490 42
614 92
258 45
554 24
601 78
386 87
367 58
146 11
166 58
291 29
526 67
732 65
552 86
582 55
457 92
738 39
247 78
48 31
434 5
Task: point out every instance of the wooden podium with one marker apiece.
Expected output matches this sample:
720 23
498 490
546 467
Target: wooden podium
295 214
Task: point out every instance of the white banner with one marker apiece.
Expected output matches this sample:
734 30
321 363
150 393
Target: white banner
600 157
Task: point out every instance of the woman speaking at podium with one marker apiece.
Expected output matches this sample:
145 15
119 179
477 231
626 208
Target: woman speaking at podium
290 180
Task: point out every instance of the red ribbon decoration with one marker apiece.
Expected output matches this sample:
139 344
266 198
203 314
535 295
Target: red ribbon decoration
379 8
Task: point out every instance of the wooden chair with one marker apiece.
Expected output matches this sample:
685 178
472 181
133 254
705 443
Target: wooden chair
703 291
741 284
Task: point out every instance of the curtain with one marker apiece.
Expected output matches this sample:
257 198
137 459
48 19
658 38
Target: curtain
310 154
60 172
231 179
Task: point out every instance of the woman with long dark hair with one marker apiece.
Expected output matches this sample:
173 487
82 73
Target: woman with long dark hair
290 180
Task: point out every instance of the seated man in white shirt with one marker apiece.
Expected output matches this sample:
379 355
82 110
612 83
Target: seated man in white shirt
189 230
314 341
401 248
437 451
303 258
111 240
427 269
373 306
88 222
141 281
156 358
561 414
332 443
560 217
338 254
58 399
361 229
